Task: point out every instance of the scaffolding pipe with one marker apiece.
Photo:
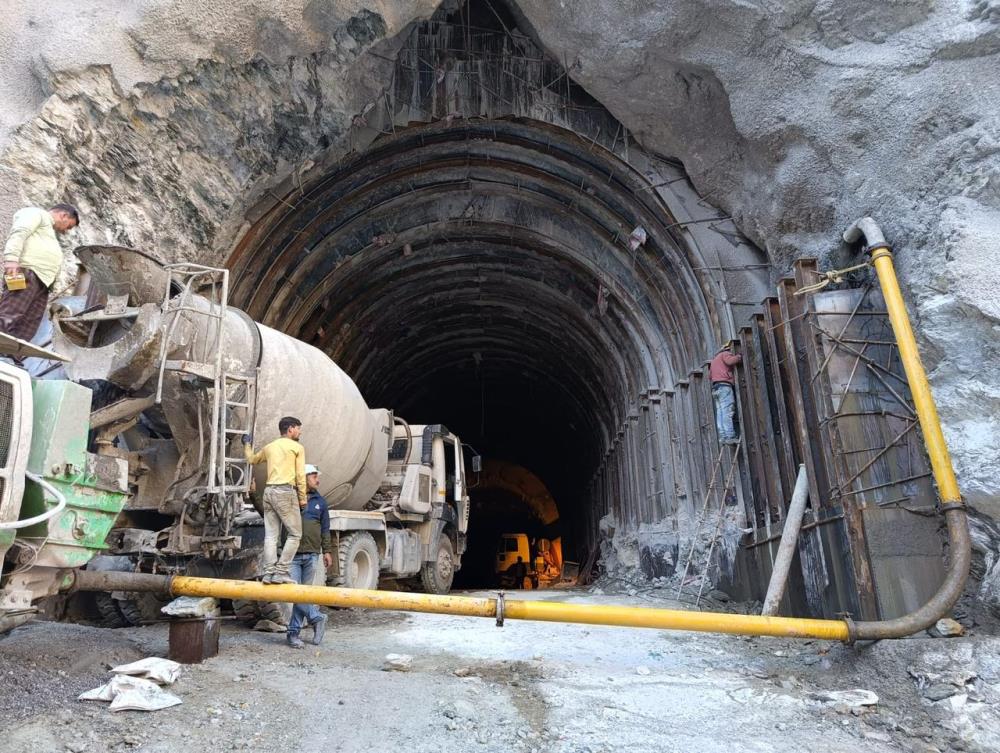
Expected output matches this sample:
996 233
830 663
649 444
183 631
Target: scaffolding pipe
786 549
500 608
937 450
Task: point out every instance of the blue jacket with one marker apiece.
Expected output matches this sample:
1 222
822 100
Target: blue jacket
315 525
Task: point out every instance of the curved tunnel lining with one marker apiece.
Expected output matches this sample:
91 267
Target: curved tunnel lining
479 275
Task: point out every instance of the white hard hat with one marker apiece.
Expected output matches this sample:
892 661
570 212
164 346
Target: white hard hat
310 469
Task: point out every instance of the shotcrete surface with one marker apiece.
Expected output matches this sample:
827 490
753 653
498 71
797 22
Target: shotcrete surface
526 687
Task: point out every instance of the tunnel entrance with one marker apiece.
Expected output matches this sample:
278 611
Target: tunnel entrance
508 499
497 255
481 275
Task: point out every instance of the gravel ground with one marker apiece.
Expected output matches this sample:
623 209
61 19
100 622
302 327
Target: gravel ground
526 687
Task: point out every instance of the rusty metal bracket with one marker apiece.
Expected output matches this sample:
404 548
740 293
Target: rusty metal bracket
852 635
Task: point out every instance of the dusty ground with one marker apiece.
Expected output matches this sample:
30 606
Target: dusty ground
526 687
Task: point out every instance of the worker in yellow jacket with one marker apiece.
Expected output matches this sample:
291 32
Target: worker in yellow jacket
32 250
284 496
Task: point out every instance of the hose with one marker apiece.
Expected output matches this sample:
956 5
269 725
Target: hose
956 516
409 436
60 506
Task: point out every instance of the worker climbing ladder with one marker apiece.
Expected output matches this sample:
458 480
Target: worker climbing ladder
233 395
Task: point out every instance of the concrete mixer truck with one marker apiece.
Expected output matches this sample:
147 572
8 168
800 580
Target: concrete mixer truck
178 377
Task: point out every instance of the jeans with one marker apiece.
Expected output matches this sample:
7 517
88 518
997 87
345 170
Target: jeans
303 569
725 409
281 508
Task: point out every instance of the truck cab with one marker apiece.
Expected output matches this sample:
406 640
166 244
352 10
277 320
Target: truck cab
57 501
415 525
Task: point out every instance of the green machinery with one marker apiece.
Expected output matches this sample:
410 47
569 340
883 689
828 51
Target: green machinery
57 501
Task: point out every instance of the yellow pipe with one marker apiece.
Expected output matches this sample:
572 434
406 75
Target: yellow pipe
545 611
920 389
249 590
677 619
960 549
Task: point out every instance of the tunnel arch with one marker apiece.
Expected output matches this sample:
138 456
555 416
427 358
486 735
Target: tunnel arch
479 273
469 261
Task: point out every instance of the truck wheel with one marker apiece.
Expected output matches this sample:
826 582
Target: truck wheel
358 560
111 616
438 575
252 612
142 609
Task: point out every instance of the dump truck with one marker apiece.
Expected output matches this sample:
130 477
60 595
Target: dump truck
173 378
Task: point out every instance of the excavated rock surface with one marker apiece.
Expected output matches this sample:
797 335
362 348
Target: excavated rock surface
167 121
165 124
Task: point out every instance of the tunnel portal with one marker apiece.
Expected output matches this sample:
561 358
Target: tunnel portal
498 255
494 251
480 275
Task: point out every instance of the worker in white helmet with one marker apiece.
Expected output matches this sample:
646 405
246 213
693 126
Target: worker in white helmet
314 542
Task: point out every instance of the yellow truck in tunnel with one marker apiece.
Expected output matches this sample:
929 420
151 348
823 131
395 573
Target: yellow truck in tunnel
528 563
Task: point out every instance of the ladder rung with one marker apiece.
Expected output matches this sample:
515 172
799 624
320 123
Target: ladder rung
230 404
236 460
237 431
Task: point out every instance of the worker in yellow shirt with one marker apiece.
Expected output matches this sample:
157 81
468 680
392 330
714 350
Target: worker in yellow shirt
33 251
284 496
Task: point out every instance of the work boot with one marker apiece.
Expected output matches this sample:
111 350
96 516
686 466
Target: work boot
319 630
280 578
295 642
267 578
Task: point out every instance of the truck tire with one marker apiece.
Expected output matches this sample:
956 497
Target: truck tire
111 615
437 576
142 609
358 560
252 612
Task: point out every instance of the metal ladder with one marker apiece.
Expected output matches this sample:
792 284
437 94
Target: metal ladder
233 472
717 474
226 474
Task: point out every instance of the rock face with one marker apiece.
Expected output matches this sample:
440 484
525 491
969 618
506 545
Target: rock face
166 121
164 124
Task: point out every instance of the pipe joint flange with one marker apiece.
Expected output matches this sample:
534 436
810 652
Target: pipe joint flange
500 608
852 629
953 505
878 250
